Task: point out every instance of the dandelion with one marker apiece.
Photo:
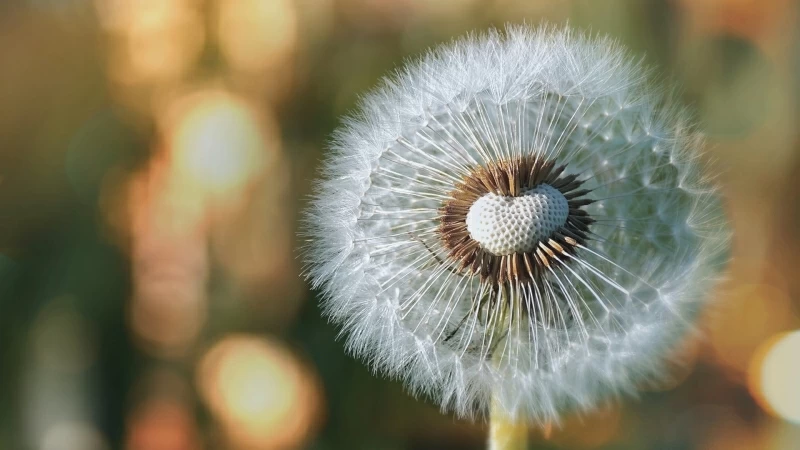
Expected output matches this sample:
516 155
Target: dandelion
517 223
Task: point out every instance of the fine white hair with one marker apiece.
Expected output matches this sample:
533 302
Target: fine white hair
600 321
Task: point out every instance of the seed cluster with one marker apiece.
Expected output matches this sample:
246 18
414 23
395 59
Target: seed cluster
506 225
514 177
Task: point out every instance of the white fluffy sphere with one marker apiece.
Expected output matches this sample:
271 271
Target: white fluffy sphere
517 216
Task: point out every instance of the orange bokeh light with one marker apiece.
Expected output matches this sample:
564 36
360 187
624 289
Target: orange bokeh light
169 259
750 18
255 34
155 41
162 424
258 391
162 417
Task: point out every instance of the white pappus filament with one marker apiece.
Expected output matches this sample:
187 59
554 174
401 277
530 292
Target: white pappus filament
516 215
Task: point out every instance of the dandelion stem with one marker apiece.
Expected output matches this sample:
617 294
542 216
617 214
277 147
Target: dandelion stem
505 432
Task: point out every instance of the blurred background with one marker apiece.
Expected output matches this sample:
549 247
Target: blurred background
155 155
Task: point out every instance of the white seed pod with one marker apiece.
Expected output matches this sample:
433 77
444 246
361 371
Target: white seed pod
517 216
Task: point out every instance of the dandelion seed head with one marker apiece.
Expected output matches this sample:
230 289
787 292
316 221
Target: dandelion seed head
521 216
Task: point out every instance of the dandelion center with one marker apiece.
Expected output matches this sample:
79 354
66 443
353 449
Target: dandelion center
510 220
507 225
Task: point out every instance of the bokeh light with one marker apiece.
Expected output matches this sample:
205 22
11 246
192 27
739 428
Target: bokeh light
162 424
147 58
153 46
254 34
156 40
218 143
73 436
261 394
62 339
59 393
751 18
162 416
169 259
775 376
